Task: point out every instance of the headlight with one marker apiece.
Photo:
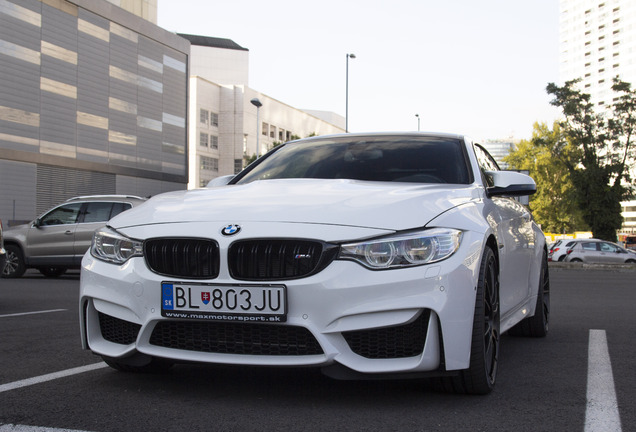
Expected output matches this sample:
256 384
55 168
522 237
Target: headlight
110 246
407 250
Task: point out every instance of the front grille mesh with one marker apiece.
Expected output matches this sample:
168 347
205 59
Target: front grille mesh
277 259
183 257
118 331
235 338
390 342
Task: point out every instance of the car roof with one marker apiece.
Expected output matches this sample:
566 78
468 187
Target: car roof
105 198
358 135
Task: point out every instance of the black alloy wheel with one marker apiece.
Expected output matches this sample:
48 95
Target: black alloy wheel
480 377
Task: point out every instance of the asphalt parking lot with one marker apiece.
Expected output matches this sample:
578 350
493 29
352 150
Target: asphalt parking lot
580 378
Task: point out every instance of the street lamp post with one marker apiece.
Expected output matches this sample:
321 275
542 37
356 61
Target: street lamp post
347 93
418 122
257 103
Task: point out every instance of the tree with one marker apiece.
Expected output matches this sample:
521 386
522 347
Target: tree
605 149
553 206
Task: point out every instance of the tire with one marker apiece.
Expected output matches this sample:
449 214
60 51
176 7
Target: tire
538 324
154 365
576 260
14 266
52 271
480 377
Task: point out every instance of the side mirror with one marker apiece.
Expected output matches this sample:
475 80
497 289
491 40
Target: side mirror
37 223
219 181
510 183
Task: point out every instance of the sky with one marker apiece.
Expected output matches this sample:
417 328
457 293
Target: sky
478 68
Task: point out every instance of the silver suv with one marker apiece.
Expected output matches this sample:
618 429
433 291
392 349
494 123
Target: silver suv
57 240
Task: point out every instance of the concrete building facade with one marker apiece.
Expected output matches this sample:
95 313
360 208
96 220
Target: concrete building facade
597 43
93 100
225 127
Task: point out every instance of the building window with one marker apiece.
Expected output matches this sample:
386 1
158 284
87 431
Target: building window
265 129
209 164
281 134
214 119
203 116
272 131
214 142
203 139
238 165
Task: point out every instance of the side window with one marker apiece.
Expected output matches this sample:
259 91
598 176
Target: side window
62 215
119 207
606 247
589 246
97 212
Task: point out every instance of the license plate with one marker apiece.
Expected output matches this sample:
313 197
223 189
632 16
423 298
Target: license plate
250 303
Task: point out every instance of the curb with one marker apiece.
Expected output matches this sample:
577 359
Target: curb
586 266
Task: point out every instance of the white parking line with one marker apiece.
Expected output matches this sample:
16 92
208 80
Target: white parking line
32 313
602 408
24 428
49 377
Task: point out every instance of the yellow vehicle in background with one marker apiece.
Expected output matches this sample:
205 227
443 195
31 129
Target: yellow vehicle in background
629 241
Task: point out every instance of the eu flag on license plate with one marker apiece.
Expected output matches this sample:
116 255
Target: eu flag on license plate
167 299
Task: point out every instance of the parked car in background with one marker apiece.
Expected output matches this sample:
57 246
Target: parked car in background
599 251
368 255
630 242
57 240
3 253
560 248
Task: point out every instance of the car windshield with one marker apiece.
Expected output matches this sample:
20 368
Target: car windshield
383 158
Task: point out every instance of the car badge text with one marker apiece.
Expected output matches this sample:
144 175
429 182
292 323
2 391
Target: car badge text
231 229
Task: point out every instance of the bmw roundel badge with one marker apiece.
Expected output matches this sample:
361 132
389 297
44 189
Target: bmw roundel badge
231 229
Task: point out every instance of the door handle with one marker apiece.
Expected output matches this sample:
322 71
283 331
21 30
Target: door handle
69 232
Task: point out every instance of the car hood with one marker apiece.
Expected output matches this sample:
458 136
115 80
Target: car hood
394 206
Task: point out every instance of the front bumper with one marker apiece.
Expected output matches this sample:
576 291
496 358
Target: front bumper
373 322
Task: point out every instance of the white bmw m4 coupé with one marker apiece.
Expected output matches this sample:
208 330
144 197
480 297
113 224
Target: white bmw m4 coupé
367 255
